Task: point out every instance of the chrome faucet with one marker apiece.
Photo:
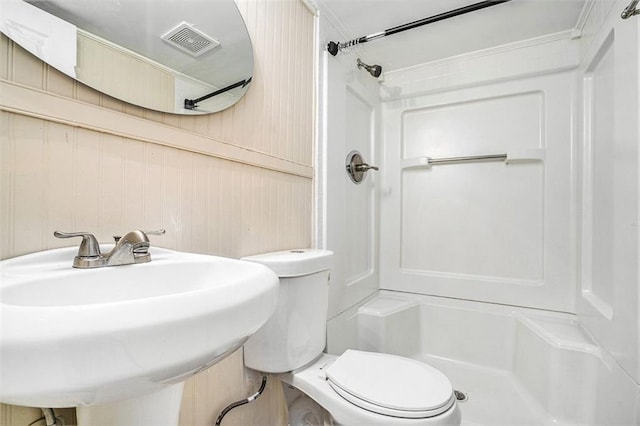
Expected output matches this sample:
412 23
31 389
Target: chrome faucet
132 248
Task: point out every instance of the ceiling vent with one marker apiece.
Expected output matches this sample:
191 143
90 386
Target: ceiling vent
190 40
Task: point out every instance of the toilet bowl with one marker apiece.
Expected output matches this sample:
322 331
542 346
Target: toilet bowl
376 399
355 388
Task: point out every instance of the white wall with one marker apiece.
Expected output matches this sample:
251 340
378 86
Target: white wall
488 231
348 218
421 244
558 234
607 298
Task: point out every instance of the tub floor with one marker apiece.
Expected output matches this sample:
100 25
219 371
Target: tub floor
494 396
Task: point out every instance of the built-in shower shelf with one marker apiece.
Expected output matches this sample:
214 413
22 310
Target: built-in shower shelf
514 156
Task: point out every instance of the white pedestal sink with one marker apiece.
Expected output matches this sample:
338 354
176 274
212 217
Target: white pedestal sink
114 338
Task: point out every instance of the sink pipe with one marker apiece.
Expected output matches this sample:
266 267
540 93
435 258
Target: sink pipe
242 401
50 417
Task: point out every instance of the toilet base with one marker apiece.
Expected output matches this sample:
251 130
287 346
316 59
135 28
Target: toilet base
311 381
304 411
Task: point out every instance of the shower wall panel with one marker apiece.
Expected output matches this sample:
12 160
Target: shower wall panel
489 230
351 214
360 199
608 295
476 219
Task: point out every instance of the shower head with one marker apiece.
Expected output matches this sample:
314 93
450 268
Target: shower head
374 70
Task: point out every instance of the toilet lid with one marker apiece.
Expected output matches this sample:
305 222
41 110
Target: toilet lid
390 385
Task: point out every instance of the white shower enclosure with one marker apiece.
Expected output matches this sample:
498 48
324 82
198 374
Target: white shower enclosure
495 231
552 228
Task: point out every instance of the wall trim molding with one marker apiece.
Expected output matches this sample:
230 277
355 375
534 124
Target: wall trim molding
584 14
545 39
28 101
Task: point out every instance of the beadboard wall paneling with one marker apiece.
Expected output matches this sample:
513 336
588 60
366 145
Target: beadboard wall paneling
55 108
129 75
22 416
204 399
56 176
57 173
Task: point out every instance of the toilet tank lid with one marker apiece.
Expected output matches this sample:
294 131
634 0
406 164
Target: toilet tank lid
295 263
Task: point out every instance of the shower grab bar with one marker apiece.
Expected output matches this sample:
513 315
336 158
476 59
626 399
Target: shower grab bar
525 155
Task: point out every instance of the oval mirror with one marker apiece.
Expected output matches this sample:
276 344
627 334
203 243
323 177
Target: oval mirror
177 56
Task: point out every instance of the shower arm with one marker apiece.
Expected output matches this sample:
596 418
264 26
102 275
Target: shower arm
630 10
334 47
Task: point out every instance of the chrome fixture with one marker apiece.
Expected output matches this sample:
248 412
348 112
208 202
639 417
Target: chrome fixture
460 396
357 168
468 159
630 10
374 70
132 248
515 156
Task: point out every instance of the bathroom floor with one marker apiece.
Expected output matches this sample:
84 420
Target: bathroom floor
494 396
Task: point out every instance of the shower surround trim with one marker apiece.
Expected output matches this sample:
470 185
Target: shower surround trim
548 54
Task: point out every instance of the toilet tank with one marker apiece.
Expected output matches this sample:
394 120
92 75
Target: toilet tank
295 334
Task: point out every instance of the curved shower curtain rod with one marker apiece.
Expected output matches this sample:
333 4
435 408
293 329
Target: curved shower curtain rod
334 47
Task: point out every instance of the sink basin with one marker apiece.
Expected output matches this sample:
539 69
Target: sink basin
78 337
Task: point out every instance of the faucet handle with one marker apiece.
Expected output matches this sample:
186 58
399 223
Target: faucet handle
89 246
158 232
116 238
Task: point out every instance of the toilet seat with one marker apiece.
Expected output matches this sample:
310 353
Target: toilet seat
390 385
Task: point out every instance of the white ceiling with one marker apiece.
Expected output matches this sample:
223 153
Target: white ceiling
500 24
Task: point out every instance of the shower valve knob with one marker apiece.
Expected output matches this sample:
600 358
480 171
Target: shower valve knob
364 167
356 167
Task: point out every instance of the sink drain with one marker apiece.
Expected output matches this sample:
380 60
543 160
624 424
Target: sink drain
460 396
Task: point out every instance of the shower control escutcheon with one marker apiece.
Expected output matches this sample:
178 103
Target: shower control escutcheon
357 168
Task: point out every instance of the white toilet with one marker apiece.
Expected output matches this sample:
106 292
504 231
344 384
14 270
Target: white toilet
356 388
